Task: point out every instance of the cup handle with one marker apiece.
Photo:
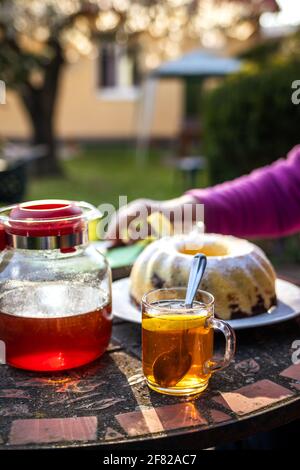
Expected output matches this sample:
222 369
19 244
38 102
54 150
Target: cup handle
214 366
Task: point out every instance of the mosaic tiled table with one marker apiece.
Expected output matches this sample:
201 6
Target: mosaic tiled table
108 403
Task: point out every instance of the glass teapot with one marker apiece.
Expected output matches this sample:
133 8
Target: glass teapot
55 287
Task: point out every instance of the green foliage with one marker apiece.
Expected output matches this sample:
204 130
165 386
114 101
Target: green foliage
16 66
261 52
250 120
21 54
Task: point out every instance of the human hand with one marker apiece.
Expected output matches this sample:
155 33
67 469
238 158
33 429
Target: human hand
130 223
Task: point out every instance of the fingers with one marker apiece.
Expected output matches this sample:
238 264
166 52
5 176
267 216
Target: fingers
129 224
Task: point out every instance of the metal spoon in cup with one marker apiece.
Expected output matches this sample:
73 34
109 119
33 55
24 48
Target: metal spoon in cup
167 369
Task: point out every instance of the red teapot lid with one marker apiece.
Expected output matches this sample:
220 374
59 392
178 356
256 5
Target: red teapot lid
45 218
45 224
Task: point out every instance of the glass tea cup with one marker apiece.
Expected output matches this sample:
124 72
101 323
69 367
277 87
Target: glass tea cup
177 342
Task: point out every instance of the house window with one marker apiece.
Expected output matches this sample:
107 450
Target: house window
118 74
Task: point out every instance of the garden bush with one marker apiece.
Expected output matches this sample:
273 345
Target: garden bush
250 120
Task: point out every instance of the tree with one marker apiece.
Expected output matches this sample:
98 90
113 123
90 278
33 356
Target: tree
37 37
33 47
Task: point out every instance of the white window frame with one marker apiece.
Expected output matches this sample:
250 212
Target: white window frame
115 93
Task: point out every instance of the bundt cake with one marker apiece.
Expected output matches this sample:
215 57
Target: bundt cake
238 273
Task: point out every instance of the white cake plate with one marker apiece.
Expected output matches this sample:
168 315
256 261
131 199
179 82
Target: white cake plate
288 297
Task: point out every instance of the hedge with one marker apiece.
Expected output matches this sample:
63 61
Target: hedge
250 120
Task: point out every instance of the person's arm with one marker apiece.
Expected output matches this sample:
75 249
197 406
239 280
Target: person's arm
265 203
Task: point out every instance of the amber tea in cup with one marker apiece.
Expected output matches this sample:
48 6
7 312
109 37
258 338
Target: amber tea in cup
178 341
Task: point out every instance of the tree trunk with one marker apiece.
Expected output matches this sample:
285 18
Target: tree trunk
39 103
43 135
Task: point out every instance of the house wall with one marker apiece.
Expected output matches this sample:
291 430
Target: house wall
83 113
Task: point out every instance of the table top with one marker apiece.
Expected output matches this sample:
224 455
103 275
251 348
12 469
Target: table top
107 403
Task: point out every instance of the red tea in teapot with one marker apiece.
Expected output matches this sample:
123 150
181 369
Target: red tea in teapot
54 326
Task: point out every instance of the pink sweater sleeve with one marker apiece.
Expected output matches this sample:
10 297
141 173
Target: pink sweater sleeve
265 203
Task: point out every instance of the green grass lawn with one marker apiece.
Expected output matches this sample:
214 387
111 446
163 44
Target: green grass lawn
102 174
